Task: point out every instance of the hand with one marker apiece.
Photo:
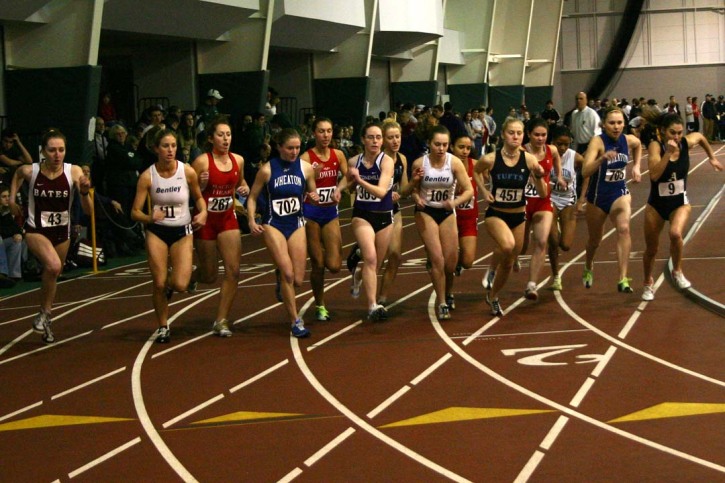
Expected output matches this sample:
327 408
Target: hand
448 205
15 209
336 195
117 206
716 164
255 229
488 196
84 184
636 175
353 174
158 215
199 220
562 184
17 238
243 190
396 196
418 200
203 180
314 197
538 171
418 174
609 155
672 147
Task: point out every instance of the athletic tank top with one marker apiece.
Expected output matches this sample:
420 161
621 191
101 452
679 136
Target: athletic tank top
671 187
219 191
569 175
363 198
509 182
171 195
470 204
610 177
49 201
547 163
285 189
437 184
326 178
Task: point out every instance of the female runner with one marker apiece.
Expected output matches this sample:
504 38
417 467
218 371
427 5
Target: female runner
539 211
169 183
466 218
51 185
606 161
324 240
508 169
435 215
285 180
401 188
371 174
221 175
564 201
669 163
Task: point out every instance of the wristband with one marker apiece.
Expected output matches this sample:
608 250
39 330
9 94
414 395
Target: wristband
87 193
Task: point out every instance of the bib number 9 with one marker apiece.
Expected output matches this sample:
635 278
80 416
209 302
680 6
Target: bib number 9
671 188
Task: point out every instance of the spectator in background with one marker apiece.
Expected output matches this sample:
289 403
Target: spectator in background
106 109
11 241
256 134
187 137
550 115
454 124
720 107
122 165
585 124
696 115
100 149
673 107
208 110
689 115
270 107
12 154
709 117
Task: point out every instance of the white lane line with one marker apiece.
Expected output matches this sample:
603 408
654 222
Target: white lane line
291 476
86 384
433 367
258 376
329 447
190 298
334 335
383 405
549 439
181 344
21 410
15 341
529 467
568 410
103 458
604 361
582 392
45 347
193 410
360 422
518 334
145 420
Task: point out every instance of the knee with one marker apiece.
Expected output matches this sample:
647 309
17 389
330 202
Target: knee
298 280
565 247
178 286
231 273
623 230
675 237
333 265
53 268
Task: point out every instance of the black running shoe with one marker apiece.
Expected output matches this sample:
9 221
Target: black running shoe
353 258
163 335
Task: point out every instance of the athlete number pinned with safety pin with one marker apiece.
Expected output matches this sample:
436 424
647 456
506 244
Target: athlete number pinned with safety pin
286 206
220 204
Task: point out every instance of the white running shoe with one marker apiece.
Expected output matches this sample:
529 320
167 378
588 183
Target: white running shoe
648 294
680 281
356 282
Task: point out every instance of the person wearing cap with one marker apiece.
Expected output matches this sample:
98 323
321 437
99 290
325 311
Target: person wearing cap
208 110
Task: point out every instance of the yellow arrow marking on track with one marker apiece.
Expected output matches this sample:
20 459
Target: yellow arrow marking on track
51 420
247 416
672 410
453 414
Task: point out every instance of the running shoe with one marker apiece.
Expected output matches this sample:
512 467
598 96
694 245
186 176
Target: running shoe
321 313
353 258
378 314
517 265
458 271
193 285
530 292
298 329
623 285
163 335
169 292
450 301
444 312
39 322
488 279
495 306
356 282
48 336
588 278
278 285
680 281
556 284
221 328
648 293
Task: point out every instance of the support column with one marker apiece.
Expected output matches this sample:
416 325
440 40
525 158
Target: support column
56 59
541 53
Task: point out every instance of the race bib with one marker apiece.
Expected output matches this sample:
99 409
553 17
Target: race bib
614 175
220 204
671 188
509 195
286 206
50 219
169 211
325 195
530 190
364 195
468 205
437 196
